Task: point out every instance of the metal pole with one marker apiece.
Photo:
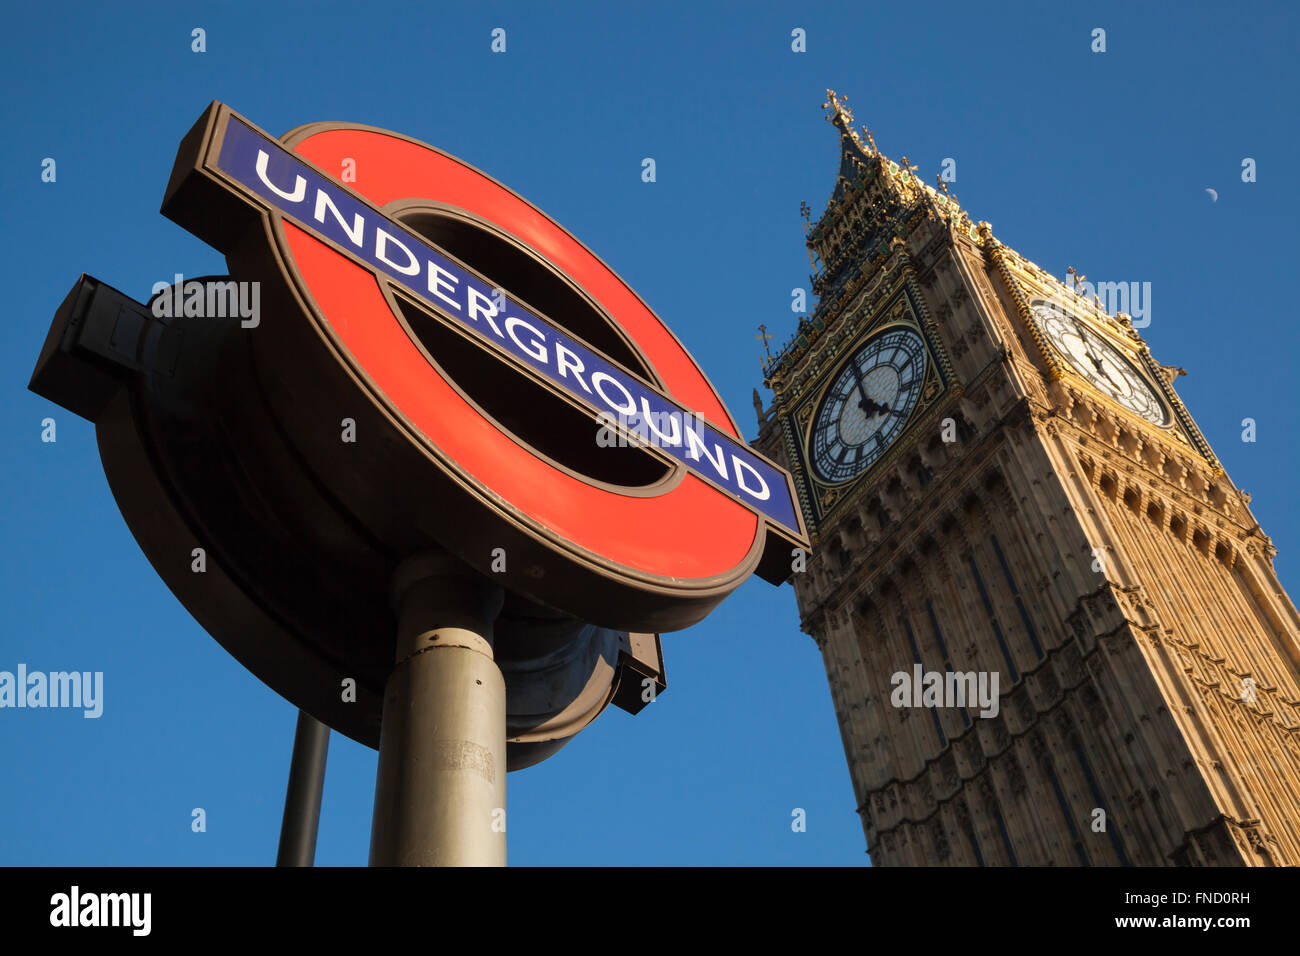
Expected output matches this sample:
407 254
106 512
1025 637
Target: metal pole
311 743
440 790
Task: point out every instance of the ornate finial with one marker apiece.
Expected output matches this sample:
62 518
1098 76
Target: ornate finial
840 111
907 166
1077 279
870 139
840 114
941 183
764 336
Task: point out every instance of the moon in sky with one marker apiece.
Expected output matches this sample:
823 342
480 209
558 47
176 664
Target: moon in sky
1214 196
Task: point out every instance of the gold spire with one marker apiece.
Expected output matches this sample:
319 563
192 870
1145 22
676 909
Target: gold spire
874 205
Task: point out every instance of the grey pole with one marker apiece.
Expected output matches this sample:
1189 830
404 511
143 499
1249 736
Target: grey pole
440 790
311 743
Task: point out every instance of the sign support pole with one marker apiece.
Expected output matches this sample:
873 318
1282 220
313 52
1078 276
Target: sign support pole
440 789
301 821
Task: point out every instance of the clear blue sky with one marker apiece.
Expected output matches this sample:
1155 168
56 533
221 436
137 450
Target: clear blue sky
1100 161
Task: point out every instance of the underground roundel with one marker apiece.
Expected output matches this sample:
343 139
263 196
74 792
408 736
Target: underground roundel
513 399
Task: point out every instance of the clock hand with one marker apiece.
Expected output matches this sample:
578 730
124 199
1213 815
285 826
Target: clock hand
1092 357
862 389
1110 379
1097 364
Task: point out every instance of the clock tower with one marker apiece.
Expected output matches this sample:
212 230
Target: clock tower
1051 626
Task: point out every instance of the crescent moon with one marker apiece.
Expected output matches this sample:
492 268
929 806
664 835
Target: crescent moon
1214 196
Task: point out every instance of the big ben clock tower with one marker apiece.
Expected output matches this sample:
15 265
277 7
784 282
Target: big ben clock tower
1051 626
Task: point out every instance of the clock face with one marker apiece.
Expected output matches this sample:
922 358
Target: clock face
868 403
1103 365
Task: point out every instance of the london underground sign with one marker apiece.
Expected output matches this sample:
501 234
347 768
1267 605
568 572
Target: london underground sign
431 365
322 207
650 556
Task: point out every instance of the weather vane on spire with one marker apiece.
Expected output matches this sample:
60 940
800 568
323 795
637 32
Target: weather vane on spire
841 115
841 109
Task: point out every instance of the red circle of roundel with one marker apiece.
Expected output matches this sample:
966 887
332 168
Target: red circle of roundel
690 531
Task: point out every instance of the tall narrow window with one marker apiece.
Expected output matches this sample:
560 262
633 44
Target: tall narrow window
993 620
916 656
943 649
974 843
1020 605
1100 801
1069 817
1006 837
